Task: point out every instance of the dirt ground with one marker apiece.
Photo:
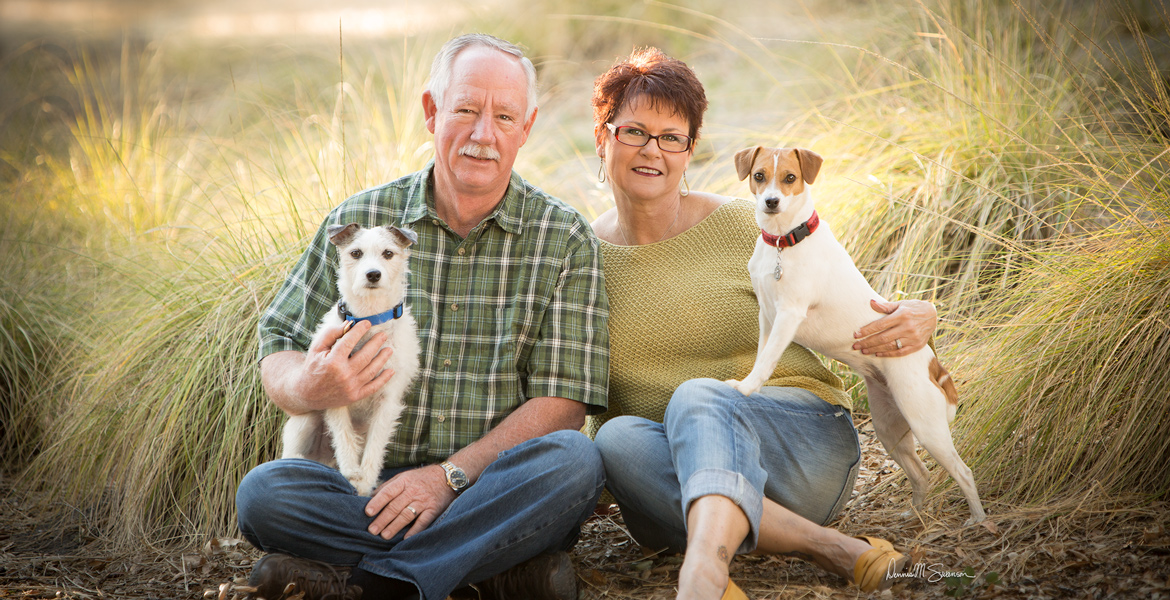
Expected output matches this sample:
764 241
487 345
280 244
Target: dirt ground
1083 548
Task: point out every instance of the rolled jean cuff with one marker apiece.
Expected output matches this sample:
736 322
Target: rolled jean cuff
734 487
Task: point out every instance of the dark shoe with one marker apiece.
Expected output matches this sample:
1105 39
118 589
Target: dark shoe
546 577
280 576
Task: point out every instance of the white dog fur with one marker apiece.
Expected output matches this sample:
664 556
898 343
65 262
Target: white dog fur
820 300
372 281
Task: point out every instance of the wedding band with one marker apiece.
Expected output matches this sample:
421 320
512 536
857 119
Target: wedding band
412 510
898 343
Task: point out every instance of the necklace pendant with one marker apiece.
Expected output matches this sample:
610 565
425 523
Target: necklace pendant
779 271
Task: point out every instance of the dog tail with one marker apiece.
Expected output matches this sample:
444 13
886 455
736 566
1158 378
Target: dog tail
942 380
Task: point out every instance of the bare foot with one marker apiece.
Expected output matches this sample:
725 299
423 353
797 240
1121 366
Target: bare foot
839 556
704 577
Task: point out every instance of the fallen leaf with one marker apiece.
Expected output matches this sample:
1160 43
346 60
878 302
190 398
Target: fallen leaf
642 566
595 578
990 525
193 561
220 545
917 555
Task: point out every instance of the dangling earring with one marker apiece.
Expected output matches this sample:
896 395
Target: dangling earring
686 191
601 172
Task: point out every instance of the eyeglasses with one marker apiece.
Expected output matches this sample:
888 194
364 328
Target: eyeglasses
667 142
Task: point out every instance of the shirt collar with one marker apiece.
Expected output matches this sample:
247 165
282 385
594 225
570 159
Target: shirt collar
508 213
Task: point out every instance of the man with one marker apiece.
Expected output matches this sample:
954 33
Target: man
489 479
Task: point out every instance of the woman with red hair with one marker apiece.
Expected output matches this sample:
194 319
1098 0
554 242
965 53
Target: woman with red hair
695 466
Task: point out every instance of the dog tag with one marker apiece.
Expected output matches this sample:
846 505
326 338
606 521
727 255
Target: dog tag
779 271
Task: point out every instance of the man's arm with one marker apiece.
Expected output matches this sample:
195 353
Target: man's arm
425 489
327 376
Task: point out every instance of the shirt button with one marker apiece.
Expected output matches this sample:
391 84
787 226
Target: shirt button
447 363
454 307
435 221
462 251
442 418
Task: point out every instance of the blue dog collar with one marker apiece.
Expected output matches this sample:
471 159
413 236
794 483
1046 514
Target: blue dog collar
378 319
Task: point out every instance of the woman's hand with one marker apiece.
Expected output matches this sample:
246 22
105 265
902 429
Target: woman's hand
911 322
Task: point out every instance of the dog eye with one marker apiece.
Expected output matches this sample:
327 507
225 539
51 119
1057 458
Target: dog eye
356 254
758 176
386 254
791 178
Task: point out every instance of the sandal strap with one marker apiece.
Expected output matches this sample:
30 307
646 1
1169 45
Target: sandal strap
876 542
871 570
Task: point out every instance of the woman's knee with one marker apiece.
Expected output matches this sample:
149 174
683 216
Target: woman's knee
698 397
575 452
614 439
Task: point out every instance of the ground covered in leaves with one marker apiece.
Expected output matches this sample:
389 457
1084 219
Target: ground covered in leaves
1080 548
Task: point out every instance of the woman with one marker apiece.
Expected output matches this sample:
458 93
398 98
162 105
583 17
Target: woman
694 465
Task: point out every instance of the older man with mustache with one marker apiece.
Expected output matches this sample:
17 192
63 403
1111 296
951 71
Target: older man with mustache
488 478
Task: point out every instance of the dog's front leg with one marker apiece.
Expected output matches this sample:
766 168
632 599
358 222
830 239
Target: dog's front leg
347 444
782 332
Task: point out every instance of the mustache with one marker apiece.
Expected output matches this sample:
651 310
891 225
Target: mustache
478 151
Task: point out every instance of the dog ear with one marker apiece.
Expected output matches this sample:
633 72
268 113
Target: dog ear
406 237
341 235
810 164
744 159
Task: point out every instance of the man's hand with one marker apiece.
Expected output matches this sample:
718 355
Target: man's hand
327 376
910 321
418 496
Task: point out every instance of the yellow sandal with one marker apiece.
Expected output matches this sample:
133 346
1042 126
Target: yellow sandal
872 570
733 592
878 543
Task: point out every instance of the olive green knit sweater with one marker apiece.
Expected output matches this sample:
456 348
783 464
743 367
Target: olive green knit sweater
683 309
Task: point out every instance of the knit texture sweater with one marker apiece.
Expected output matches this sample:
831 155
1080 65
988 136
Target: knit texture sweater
684 308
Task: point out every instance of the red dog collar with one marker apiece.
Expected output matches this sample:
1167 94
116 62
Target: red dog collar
792 237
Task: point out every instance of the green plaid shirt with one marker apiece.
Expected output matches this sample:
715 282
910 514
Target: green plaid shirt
517 310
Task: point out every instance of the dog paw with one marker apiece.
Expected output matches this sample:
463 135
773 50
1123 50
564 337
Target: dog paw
973 520
364 486
743 387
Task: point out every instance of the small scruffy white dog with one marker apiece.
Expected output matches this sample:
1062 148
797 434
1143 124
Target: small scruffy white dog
372 283
810 291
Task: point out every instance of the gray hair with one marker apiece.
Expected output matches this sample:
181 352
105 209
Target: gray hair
441 68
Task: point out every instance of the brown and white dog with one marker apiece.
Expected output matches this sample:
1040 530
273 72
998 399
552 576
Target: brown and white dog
810 292
372 282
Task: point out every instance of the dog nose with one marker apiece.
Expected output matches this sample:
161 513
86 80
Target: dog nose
373 276
772 202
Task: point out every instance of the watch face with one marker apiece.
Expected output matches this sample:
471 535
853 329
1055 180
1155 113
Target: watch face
456 478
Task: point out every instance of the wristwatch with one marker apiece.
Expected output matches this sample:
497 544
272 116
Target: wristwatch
456 478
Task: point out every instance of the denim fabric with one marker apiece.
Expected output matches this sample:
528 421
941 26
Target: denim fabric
785 444
531 500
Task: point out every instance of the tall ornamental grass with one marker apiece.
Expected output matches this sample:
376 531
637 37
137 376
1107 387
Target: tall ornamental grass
163 414
1067 388
1012 163
971 134
1004 160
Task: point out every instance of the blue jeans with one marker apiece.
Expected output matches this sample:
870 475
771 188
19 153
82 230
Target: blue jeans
532 500
785 444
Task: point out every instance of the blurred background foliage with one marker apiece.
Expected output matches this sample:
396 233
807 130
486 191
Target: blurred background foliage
1005 160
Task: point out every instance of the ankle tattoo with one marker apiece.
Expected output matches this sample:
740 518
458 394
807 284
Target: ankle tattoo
723 554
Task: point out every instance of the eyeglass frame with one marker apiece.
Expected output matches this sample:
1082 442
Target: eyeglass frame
614 130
